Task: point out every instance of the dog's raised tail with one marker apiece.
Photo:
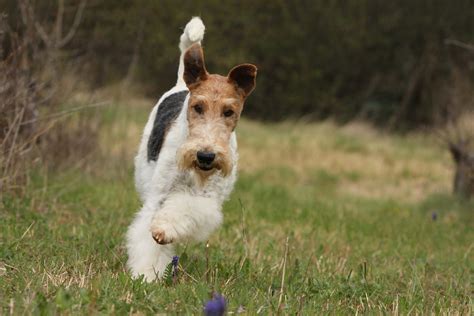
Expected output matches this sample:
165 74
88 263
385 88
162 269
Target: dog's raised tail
193 33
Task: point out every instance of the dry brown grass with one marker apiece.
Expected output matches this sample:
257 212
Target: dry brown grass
33 90
367 163
18 113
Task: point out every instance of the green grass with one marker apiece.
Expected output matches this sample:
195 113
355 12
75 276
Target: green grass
322 219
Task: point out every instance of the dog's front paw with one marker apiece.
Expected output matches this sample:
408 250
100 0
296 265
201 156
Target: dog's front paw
163 234
160 237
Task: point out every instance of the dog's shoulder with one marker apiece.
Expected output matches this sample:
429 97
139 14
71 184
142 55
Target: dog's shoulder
167 112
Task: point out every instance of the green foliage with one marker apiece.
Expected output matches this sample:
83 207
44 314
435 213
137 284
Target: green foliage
349 255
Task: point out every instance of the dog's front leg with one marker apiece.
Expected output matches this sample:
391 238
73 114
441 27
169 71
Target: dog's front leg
184 217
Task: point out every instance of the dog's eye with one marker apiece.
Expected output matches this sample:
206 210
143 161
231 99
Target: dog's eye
198 108
228 113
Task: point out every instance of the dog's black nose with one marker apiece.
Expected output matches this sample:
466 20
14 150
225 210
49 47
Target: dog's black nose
205 157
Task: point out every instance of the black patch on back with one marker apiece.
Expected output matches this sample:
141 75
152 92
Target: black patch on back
167 112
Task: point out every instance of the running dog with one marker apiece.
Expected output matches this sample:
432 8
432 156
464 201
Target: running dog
186 164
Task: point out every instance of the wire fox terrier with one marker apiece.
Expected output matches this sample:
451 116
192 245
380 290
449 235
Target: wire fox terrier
186 165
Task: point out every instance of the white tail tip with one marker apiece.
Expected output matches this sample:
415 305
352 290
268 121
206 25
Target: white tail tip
193 33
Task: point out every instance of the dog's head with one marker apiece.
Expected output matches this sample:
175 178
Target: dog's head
214 107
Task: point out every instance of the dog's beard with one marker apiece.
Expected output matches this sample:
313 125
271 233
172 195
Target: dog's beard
187 161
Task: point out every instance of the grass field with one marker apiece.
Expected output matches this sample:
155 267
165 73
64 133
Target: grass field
323 219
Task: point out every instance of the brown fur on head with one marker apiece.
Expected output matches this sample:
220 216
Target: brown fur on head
214 108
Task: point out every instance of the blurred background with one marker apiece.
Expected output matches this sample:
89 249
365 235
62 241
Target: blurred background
356 151
381 62
398 66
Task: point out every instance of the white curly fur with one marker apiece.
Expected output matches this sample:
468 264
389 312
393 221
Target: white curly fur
173 202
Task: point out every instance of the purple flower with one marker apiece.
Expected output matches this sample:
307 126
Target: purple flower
175 261
434 216
174 264
216 306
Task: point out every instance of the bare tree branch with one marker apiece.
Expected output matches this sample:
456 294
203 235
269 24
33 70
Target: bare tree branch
457 43
75 24
28 18
59 21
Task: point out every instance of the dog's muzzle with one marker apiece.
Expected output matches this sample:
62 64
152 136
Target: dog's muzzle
205 160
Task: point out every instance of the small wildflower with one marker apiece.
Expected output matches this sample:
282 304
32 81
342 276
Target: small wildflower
174 264
175 261
216 306
434 216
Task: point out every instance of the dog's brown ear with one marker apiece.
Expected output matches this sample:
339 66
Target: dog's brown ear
194 67
245 76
